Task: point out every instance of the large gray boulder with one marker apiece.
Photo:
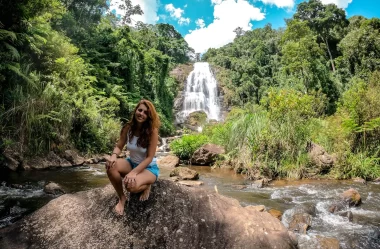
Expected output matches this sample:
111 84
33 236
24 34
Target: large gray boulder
174 216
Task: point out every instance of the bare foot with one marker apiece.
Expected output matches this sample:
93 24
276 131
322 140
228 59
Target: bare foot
145 194
120 206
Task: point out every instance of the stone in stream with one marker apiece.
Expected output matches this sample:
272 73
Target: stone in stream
348 198
275 213
317 242
300 223
54 189
173 217
207 154
169 161
185 173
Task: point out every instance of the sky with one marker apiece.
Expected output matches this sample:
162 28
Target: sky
210 23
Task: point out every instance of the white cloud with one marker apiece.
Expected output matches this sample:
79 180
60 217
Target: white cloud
149 7
183 20
340 3
176 13
200 23
228 15
280 3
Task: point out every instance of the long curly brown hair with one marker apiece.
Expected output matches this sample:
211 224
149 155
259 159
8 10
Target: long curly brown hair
152 122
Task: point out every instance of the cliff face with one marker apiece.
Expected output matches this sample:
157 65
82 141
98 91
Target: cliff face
174 217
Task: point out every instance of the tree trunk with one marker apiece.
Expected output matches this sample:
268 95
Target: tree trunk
328 50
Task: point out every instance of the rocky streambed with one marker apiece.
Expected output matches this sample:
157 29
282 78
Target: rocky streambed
23 192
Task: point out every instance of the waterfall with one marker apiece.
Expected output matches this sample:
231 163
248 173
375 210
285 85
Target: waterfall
201 93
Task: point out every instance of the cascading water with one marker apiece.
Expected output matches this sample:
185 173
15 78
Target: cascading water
201 93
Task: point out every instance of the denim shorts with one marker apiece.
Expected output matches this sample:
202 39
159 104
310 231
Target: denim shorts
152 167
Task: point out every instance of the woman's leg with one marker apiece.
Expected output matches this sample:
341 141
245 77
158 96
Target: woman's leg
143 182
115 174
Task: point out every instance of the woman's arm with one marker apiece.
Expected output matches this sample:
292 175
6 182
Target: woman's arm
151 151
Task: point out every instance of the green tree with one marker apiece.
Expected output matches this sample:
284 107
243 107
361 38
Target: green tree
328 21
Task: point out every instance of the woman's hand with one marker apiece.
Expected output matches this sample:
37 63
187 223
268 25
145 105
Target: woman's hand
130 179
111 161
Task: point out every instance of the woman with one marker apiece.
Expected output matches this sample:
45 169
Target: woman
139 170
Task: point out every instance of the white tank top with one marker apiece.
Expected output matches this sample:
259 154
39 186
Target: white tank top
136 153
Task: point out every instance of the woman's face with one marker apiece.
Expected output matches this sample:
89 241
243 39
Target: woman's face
141 113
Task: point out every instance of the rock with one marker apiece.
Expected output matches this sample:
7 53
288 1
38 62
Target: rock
196 119
337 206
300 223
55 161
54 189
319 242
168 162
174 178
319 158
360 180
173 217
50 161
191 183
73 157
260 183
239 187
275 213
184 173
351 197
347 214
10 160
207 154
260 208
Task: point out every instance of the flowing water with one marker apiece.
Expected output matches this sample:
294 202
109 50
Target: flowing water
201 93
22 193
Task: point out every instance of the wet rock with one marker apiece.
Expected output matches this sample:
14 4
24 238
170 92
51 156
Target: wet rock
239 187
300 223
360 180
173 217
275 213
196 119
337 206
73 157
207 154
185 173
168 161
318 242
319 158
260 183
55 161
50 161
54 189
191 183
347 214
259 208
351 197
12 160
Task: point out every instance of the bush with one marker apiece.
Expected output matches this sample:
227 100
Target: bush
187 145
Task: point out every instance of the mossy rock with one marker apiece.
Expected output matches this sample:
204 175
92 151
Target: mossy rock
198 118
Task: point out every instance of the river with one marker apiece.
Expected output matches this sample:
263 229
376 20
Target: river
22 193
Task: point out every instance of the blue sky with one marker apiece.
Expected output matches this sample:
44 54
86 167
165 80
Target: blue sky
210 23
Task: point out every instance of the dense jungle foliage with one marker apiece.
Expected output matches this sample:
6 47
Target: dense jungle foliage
71 73
317 80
